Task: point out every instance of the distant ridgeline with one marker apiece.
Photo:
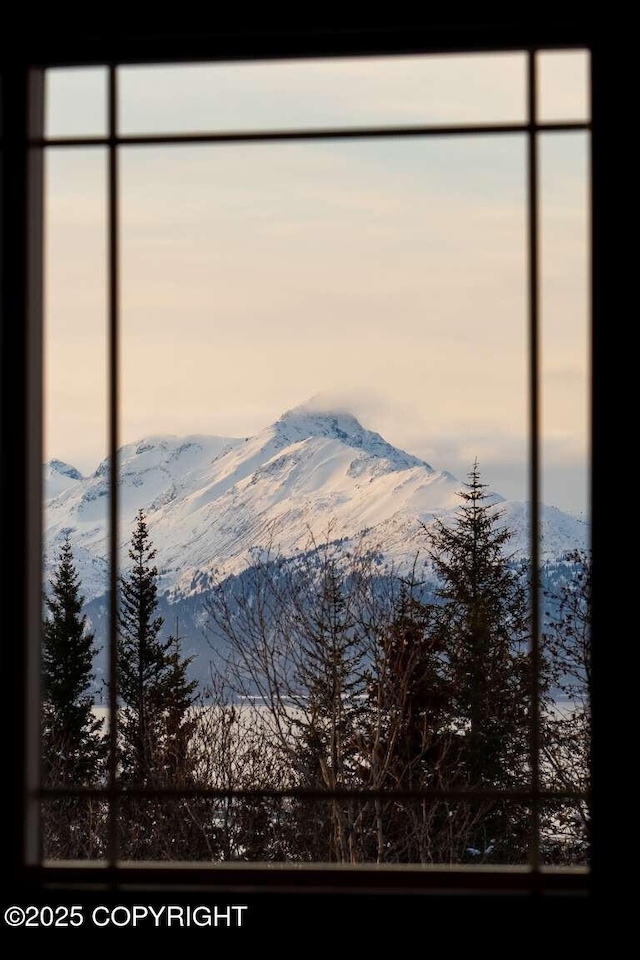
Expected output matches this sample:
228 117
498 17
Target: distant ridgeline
190 618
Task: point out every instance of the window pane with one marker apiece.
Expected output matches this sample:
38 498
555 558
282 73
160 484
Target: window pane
566 468
314 94
337 304
566 833
76 102
341 832
74 828
254 278
564 227
563 91
75 476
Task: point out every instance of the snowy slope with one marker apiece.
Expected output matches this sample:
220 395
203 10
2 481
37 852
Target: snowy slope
212 501
59 476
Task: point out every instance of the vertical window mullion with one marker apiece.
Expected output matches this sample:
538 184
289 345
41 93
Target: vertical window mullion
534 452
34 447
113 418
594 439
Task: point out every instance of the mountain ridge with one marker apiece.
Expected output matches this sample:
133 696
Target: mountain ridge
212 501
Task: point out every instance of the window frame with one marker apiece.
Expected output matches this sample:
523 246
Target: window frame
22 149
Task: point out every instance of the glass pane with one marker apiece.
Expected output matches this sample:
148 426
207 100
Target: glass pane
74 828
76 102
75 476
318 341
565 305
563 85
566 385
566 833
313 94
270 274
344 831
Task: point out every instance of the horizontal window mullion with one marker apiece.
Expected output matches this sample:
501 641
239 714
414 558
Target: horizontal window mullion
341 133
522 796
301 878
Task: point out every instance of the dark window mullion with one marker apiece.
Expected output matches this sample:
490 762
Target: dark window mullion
34 302
431 794
342 133
113 407
534 452
591 427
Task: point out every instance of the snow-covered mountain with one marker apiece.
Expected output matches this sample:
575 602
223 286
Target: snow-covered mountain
59 476
211 502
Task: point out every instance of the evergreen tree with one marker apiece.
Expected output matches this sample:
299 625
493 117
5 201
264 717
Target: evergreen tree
414 693
156 721
73 746
483 622
409 741
152 683
330 673
179 720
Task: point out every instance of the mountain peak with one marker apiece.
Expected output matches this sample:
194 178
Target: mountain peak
311 419
323 419
60 467
59 476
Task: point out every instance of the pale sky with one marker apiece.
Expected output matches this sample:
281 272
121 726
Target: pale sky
390 275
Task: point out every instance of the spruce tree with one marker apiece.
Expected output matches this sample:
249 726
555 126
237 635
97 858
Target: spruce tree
409 737
179 720
152 683
483 622
156 723
73 747
414 691
330 674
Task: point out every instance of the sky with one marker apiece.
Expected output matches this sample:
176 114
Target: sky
388 277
